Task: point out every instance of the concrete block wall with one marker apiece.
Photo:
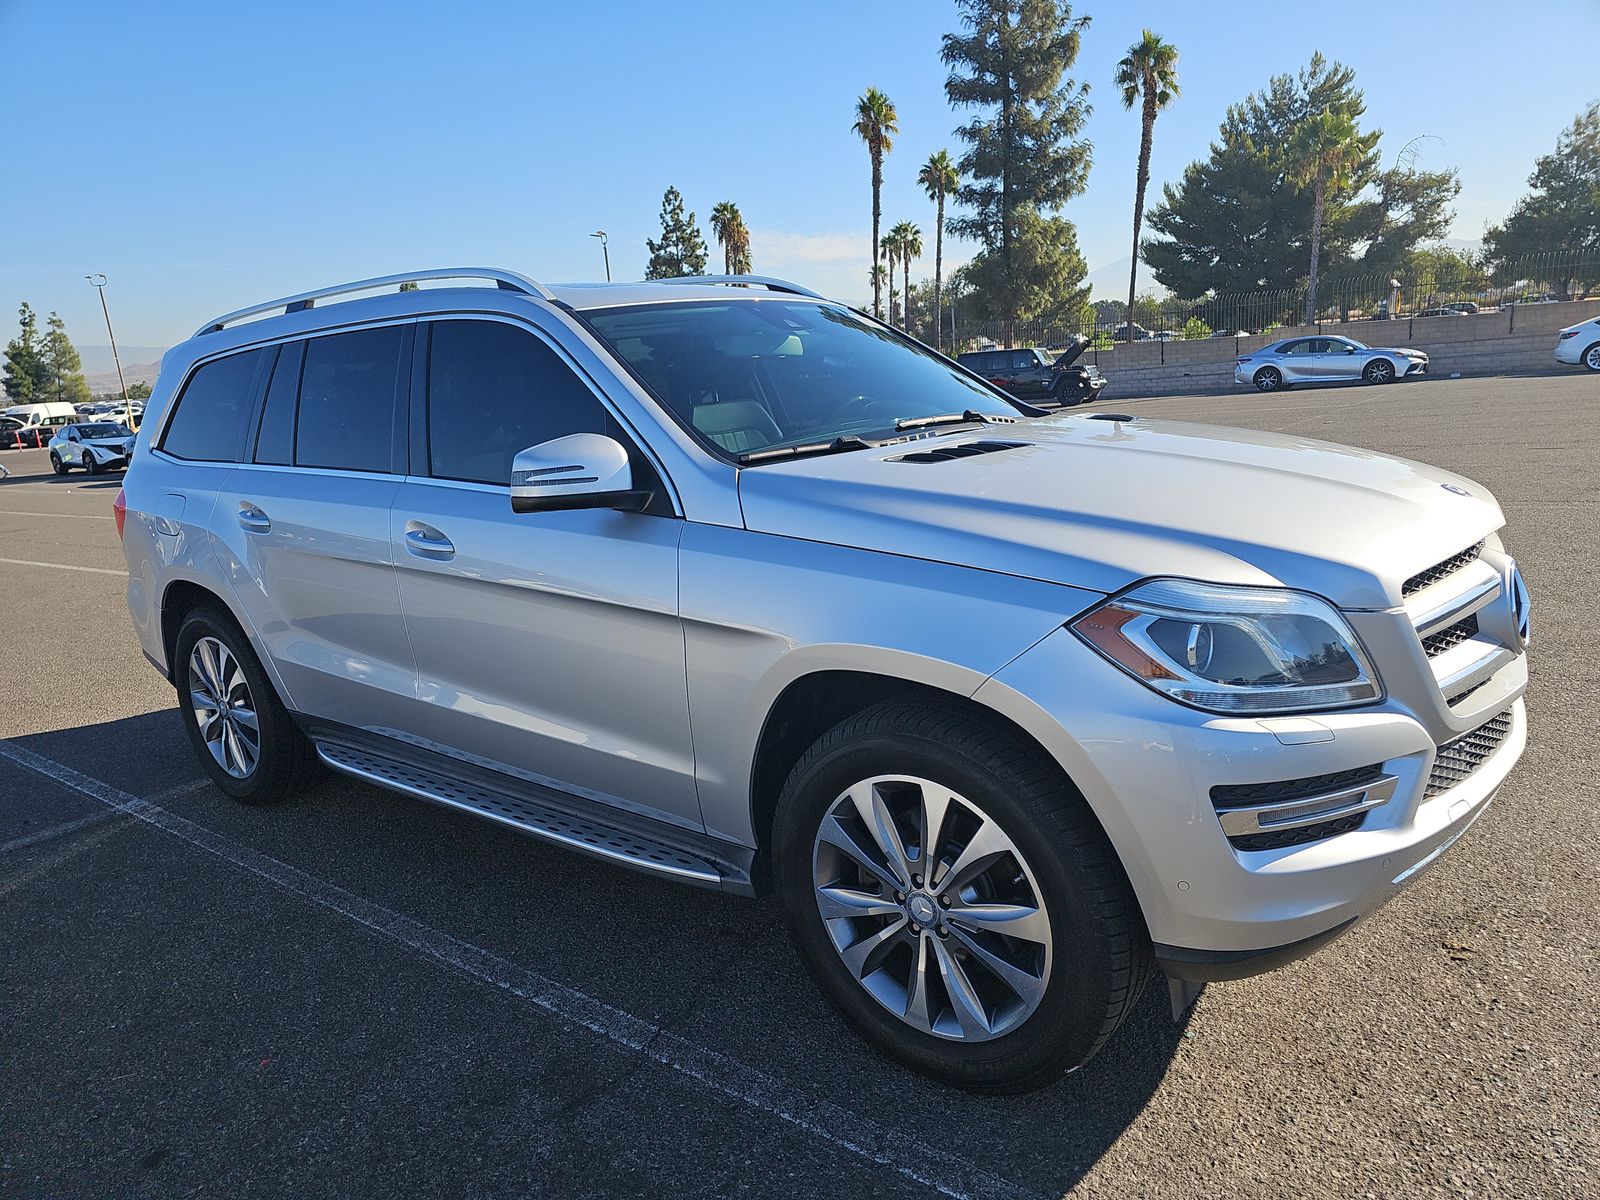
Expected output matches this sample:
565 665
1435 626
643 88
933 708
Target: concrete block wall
1521 338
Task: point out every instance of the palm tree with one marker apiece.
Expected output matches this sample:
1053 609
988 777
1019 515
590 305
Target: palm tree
876 124
1148 72
877 273
939 179
1323 153
727 226
908 241
892 250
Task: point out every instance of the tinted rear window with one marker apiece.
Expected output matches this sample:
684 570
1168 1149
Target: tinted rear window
275 444
348 406
214 411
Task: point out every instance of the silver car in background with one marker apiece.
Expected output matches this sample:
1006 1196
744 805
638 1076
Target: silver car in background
732 584
1325 359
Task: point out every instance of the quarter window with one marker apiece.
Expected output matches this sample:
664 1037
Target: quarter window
214 411
495 389
348 400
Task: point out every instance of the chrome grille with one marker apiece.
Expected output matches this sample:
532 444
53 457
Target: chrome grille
1451 636
1441 570
1457 760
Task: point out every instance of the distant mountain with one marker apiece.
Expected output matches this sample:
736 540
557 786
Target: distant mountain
97 360
105 383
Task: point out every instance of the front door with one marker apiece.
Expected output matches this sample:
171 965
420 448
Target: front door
548 645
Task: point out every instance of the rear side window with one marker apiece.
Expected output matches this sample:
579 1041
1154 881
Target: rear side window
275 444
494 389
348 408
214 411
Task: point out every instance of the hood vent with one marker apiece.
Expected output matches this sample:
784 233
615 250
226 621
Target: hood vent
960 450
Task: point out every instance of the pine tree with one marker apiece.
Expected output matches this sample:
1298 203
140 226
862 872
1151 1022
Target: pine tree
63 369
25 374
1235 223
681 250
1562 212
1024 158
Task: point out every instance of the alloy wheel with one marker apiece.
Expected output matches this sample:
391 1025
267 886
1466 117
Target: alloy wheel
1380 371
1591 357
223 708
932 908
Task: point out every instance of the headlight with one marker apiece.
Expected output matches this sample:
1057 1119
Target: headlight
1237 650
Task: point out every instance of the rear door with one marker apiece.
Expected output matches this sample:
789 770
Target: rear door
303 525
548 645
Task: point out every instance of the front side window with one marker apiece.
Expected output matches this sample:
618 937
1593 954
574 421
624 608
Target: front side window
754 375
209 423
348 403
495 389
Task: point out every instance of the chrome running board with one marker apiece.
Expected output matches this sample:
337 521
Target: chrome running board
510 806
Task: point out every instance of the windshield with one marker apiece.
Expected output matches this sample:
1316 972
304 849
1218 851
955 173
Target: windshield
759 375
102 429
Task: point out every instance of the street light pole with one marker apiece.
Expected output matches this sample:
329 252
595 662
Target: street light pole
605 248
99 282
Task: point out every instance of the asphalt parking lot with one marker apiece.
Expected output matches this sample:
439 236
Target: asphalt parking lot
359 994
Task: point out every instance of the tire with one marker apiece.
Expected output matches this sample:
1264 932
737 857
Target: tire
1268 379
90 463
1590 358
56 465
1058 869
1379 371
1066 395
283 761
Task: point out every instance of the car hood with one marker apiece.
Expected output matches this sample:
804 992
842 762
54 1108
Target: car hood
1071 352
1396 350
1100 504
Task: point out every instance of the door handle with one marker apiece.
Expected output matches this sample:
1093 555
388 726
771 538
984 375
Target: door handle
427 542
252 519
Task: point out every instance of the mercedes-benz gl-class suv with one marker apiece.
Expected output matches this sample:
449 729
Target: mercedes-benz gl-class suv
729 583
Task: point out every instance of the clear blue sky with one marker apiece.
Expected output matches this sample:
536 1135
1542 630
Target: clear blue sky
208 155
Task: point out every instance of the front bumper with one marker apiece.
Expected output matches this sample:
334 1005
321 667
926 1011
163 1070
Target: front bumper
1147 766
1419 366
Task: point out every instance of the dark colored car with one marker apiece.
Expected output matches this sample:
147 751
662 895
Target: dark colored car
14 435
1038 376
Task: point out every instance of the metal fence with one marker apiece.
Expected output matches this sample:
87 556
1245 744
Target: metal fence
1472 288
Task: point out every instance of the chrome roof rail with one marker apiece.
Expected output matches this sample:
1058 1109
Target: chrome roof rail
508 281
766 281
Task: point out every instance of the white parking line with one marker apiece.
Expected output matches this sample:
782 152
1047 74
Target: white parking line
945 1173
28 562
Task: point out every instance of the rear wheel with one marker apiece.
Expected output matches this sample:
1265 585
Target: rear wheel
244 737
955 898
1378 371
1268 379
1591 357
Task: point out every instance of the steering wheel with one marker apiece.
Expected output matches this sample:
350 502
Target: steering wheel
858 407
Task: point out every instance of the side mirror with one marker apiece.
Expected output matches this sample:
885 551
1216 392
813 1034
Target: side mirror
581 470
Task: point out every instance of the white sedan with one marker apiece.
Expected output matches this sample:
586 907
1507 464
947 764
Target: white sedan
92 445
1580 344
1324 359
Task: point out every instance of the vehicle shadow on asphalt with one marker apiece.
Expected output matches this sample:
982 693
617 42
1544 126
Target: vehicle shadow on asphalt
715 971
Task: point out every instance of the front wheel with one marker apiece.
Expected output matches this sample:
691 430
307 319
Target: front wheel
1378 371
56 465
955 898
1066 394
1591 357
1268 379
90 463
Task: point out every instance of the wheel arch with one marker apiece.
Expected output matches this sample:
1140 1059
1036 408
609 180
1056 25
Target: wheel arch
182 596
813 703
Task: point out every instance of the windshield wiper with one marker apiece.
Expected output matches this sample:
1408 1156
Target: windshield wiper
960 418
837 446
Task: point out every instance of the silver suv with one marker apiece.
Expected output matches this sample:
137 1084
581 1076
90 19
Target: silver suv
729 583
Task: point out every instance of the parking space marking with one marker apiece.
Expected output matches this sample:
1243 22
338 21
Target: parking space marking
28 562
55 831
947 1174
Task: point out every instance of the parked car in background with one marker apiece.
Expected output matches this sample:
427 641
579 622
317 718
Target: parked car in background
744 589
1140 333
1050 380
52 413
1230 333
1467 308
1325 360
1580 345
1442 311
30 430
1166 335
93 445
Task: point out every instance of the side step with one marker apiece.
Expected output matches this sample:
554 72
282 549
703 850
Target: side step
528 815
